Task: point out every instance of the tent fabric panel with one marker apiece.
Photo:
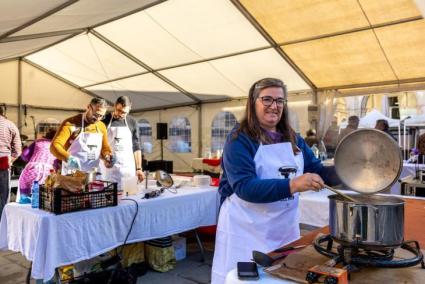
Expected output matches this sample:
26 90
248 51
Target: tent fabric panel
203 78
150 43
197 30
354 58
40 89
14 13
287 20
82 14
16 49
404 45
146 91
384 11
9 82
247 68
85 60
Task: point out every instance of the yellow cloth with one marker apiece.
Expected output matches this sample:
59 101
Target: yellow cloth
160 259
131 253
69 130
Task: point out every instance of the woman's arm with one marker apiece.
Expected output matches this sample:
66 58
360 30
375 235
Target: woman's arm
314 165
28 152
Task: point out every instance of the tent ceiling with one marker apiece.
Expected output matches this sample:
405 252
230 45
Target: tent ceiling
16 13
192 33
16 48
146 91
82 14
341 43
175 52
85 60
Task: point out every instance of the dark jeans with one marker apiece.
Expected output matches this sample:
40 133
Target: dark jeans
4 188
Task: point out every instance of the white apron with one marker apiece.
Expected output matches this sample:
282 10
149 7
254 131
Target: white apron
244 226
86 147
121 141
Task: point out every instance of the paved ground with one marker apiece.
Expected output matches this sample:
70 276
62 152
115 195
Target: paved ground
14 267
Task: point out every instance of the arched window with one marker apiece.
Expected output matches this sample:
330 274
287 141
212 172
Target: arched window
45 125
221 125
145 135
180 135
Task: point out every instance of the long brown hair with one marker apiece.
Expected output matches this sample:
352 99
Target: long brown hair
250 124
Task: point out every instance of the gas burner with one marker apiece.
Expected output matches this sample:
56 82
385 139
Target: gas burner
353 256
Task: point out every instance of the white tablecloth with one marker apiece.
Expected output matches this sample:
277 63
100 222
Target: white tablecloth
408 170
50 241
197 164
314 208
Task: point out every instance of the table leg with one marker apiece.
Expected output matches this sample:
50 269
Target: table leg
29 274
201 247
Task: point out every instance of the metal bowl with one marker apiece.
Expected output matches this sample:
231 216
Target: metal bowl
164 179
368 161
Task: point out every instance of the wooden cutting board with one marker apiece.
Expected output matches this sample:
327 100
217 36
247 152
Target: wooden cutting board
295 266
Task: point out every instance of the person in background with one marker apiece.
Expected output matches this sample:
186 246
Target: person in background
382 124
40 162
265 166
82 140
123 136
10 149
311 138
331 137
353 124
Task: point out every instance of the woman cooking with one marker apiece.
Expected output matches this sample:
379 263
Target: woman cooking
265 166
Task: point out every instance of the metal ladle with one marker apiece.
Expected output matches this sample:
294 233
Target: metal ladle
265 260
340 193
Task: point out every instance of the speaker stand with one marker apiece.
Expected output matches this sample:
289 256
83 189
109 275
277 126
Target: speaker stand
162 150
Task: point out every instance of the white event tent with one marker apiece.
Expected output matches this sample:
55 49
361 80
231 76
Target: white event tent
369 120
195 58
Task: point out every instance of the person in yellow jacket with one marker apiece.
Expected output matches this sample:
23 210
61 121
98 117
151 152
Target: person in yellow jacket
82 140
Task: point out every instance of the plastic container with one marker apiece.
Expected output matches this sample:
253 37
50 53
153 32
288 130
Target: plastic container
201 180
35 189
179 244
129 185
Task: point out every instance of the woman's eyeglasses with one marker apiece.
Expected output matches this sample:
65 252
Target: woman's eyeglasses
268 101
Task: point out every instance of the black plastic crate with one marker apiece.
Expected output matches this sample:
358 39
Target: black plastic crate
61 201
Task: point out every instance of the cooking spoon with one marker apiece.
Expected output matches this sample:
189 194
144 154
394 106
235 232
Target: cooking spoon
340 193
265 260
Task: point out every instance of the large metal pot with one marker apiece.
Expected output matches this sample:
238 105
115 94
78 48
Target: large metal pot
372 221
367 161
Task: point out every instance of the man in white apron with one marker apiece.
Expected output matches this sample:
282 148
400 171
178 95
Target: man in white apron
263 171
124 140
81 141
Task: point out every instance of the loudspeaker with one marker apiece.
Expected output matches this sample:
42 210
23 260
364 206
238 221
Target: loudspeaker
160 165
161 131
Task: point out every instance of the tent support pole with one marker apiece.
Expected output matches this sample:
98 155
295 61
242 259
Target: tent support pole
200 131
20 94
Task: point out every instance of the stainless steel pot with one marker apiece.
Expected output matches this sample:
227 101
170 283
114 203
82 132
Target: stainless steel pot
372 221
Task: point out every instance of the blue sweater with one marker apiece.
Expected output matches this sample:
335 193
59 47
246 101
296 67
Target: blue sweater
239 174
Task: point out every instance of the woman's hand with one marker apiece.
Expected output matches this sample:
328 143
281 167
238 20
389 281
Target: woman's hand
306 182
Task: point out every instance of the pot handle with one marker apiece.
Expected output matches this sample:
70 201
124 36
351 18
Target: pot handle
351 206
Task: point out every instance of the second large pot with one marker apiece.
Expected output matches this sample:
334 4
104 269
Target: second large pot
371 221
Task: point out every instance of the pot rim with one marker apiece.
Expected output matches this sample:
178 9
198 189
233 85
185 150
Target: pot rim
380 200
